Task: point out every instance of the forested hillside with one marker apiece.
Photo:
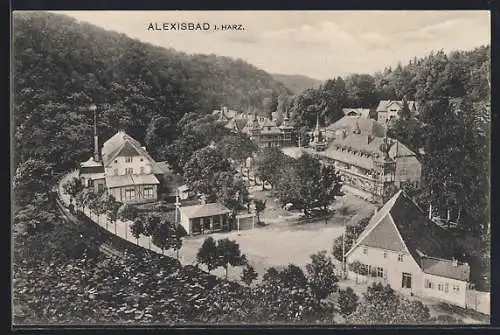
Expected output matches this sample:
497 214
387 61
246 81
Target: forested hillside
297 83
61 65
458 74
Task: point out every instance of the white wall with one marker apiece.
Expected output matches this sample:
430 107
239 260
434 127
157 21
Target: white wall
382 117
408 169
457 298
121 165
184 221
392 267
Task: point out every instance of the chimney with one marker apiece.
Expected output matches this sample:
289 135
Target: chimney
96 148
93 108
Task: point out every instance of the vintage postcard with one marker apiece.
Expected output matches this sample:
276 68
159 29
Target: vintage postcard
193 168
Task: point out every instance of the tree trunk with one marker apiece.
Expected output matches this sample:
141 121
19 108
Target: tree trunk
137 241
258 217
263 187
177 253
226 270
149 242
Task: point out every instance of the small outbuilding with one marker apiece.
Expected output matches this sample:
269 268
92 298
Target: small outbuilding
205 218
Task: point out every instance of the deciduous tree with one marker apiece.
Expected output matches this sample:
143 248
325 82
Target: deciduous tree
321 275
249 275
207 254
229 253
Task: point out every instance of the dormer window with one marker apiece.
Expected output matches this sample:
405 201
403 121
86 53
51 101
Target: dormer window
142 159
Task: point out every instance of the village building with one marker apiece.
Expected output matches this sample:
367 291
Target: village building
349 123
370 165
225 114
204 218
359 112
261 130
388 110
401 247
124 169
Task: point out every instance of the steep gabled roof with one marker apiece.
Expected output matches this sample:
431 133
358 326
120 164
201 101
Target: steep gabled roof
366 125
363 112
401 225
122 141
237 124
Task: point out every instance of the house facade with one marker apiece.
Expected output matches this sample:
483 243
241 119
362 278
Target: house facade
388 110
125 170
403 248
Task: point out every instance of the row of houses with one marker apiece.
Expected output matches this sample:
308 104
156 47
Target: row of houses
263 131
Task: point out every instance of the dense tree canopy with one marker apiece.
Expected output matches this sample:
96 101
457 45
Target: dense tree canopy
148 88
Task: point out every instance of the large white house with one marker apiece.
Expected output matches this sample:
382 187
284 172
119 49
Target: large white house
125 170
400 246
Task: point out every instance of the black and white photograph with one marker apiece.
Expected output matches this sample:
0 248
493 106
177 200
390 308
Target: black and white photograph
227 168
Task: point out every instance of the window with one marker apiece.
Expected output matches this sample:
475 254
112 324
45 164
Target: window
456 288
128 159
148 192
428 283
129 194
446 287
116 161
385 254
400 257
115 171
406 280
142 159
91 182
142 169
129 171
440 287
100 187
380 272
365 251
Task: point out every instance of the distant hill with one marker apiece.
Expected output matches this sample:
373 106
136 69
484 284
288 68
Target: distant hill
296 82
61 64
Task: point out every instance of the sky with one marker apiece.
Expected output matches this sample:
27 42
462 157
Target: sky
318 44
